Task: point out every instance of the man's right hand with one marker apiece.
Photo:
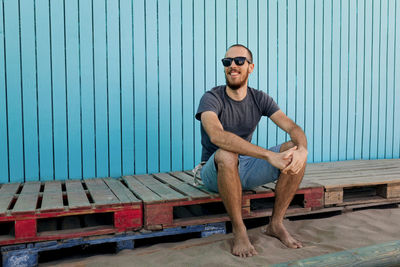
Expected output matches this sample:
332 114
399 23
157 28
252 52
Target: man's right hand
283 159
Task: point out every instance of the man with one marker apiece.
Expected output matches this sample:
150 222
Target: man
229 115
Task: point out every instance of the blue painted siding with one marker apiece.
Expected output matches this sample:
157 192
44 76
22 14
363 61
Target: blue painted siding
110 87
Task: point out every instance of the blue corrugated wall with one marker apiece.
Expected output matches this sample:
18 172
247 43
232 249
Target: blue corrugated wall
95 88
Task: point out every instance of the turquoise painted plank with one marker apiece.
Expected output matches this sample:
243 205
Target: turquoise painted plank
29 92
14 91
59 90
352 79
199 70
390 96
187 65
282 51
318 77
232 23
252 43
4 177
343 82
87 89
165 86
242 20
262 66
396 127
327 81
152 87
212 62
139 72
101 91
73 90
292 42
300 64
335 104
127 105
114 88
44 87
309 56
375 79
272 70
221 40
383 122
176 86
366 141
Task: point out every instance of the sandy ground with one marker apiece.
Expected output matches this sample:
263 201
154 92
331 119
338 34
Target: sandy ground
320 236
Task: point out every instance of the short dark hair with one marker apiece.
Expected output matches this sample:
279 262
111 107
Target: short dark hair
248 51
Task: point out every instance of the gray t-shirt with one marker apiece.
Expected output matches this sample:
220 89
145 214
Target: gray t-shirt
238 117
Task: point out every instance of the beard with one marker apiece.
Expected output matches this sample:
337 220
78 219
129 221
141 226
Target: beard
237 84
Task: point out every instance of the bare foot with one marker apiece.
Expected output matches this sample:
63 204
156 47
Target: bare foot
242 246
279 231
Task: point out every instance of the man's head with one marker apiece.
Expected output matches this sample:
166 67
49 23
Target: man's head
238 64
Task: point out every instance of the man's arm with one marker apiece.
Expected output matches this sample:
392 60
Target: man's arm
234 143
297 136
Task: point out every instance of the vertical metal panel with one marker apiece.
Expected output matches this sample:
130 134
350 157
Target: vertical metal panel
109 88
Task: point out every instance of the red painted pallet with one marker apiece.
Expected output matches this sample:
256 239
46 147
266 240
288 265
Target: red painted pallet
172 200
38 211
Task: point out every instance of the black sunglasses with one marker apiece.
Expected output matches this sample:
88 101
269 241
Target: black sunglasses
238 61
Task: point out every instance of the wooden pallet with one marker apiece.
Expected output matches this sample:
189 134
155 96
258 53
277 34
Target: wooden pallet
358 181
172 200
37 211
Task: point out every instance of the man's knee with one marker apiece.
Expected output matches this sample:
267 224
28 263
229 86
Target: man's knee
225 159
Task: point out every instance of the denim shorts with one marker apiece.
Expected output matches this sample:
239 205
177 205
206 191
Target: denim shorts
253 172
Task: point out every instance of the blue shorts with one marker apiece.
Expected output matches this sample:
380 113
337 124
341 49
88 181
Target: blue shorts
253 172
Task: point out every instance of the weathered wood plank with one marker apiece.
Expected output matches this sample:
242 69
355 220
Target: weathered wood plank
52 197
5 202
27 200
188 178
120 191
141 190
76 195
9 189
100 193
161 189
185 188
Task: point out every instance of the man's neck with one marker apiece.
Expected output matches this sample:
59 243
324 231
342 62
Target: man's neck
237 95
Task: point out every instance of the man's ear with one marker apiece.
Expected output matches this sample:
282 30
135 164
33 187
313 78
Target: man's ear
251 67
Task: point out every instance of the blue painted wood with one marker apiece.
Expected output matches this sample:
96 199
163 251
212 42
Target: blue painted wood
73 90
176 86
29 92
4 177
105 88
87 88
139 53
14 91
101 100
45 92
58 70
164 85
127 105
114 87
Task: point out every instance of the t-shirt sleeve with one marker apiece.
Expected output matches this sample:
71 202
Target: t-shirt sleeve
268 105
208 102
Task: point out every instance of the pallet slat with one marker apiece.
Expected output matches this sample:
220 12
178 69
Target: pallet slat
27 200
123 193
76 195
101 194
52 197
141 190
161 189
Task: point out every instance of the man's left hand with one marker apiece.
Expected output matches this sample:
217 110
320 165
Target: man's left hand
299 158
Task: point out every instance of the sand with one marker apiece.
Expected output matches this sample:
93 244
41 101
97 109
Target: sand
320 236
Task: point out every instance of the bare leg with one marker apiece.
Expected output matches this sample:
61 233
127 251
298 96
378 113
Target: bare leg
285 190
230 189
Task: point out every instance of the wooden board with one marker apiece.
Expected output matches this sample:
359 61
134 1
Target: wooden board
141 190
76 195
120 191
52 197
182 187
165 192
101 194
27 200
